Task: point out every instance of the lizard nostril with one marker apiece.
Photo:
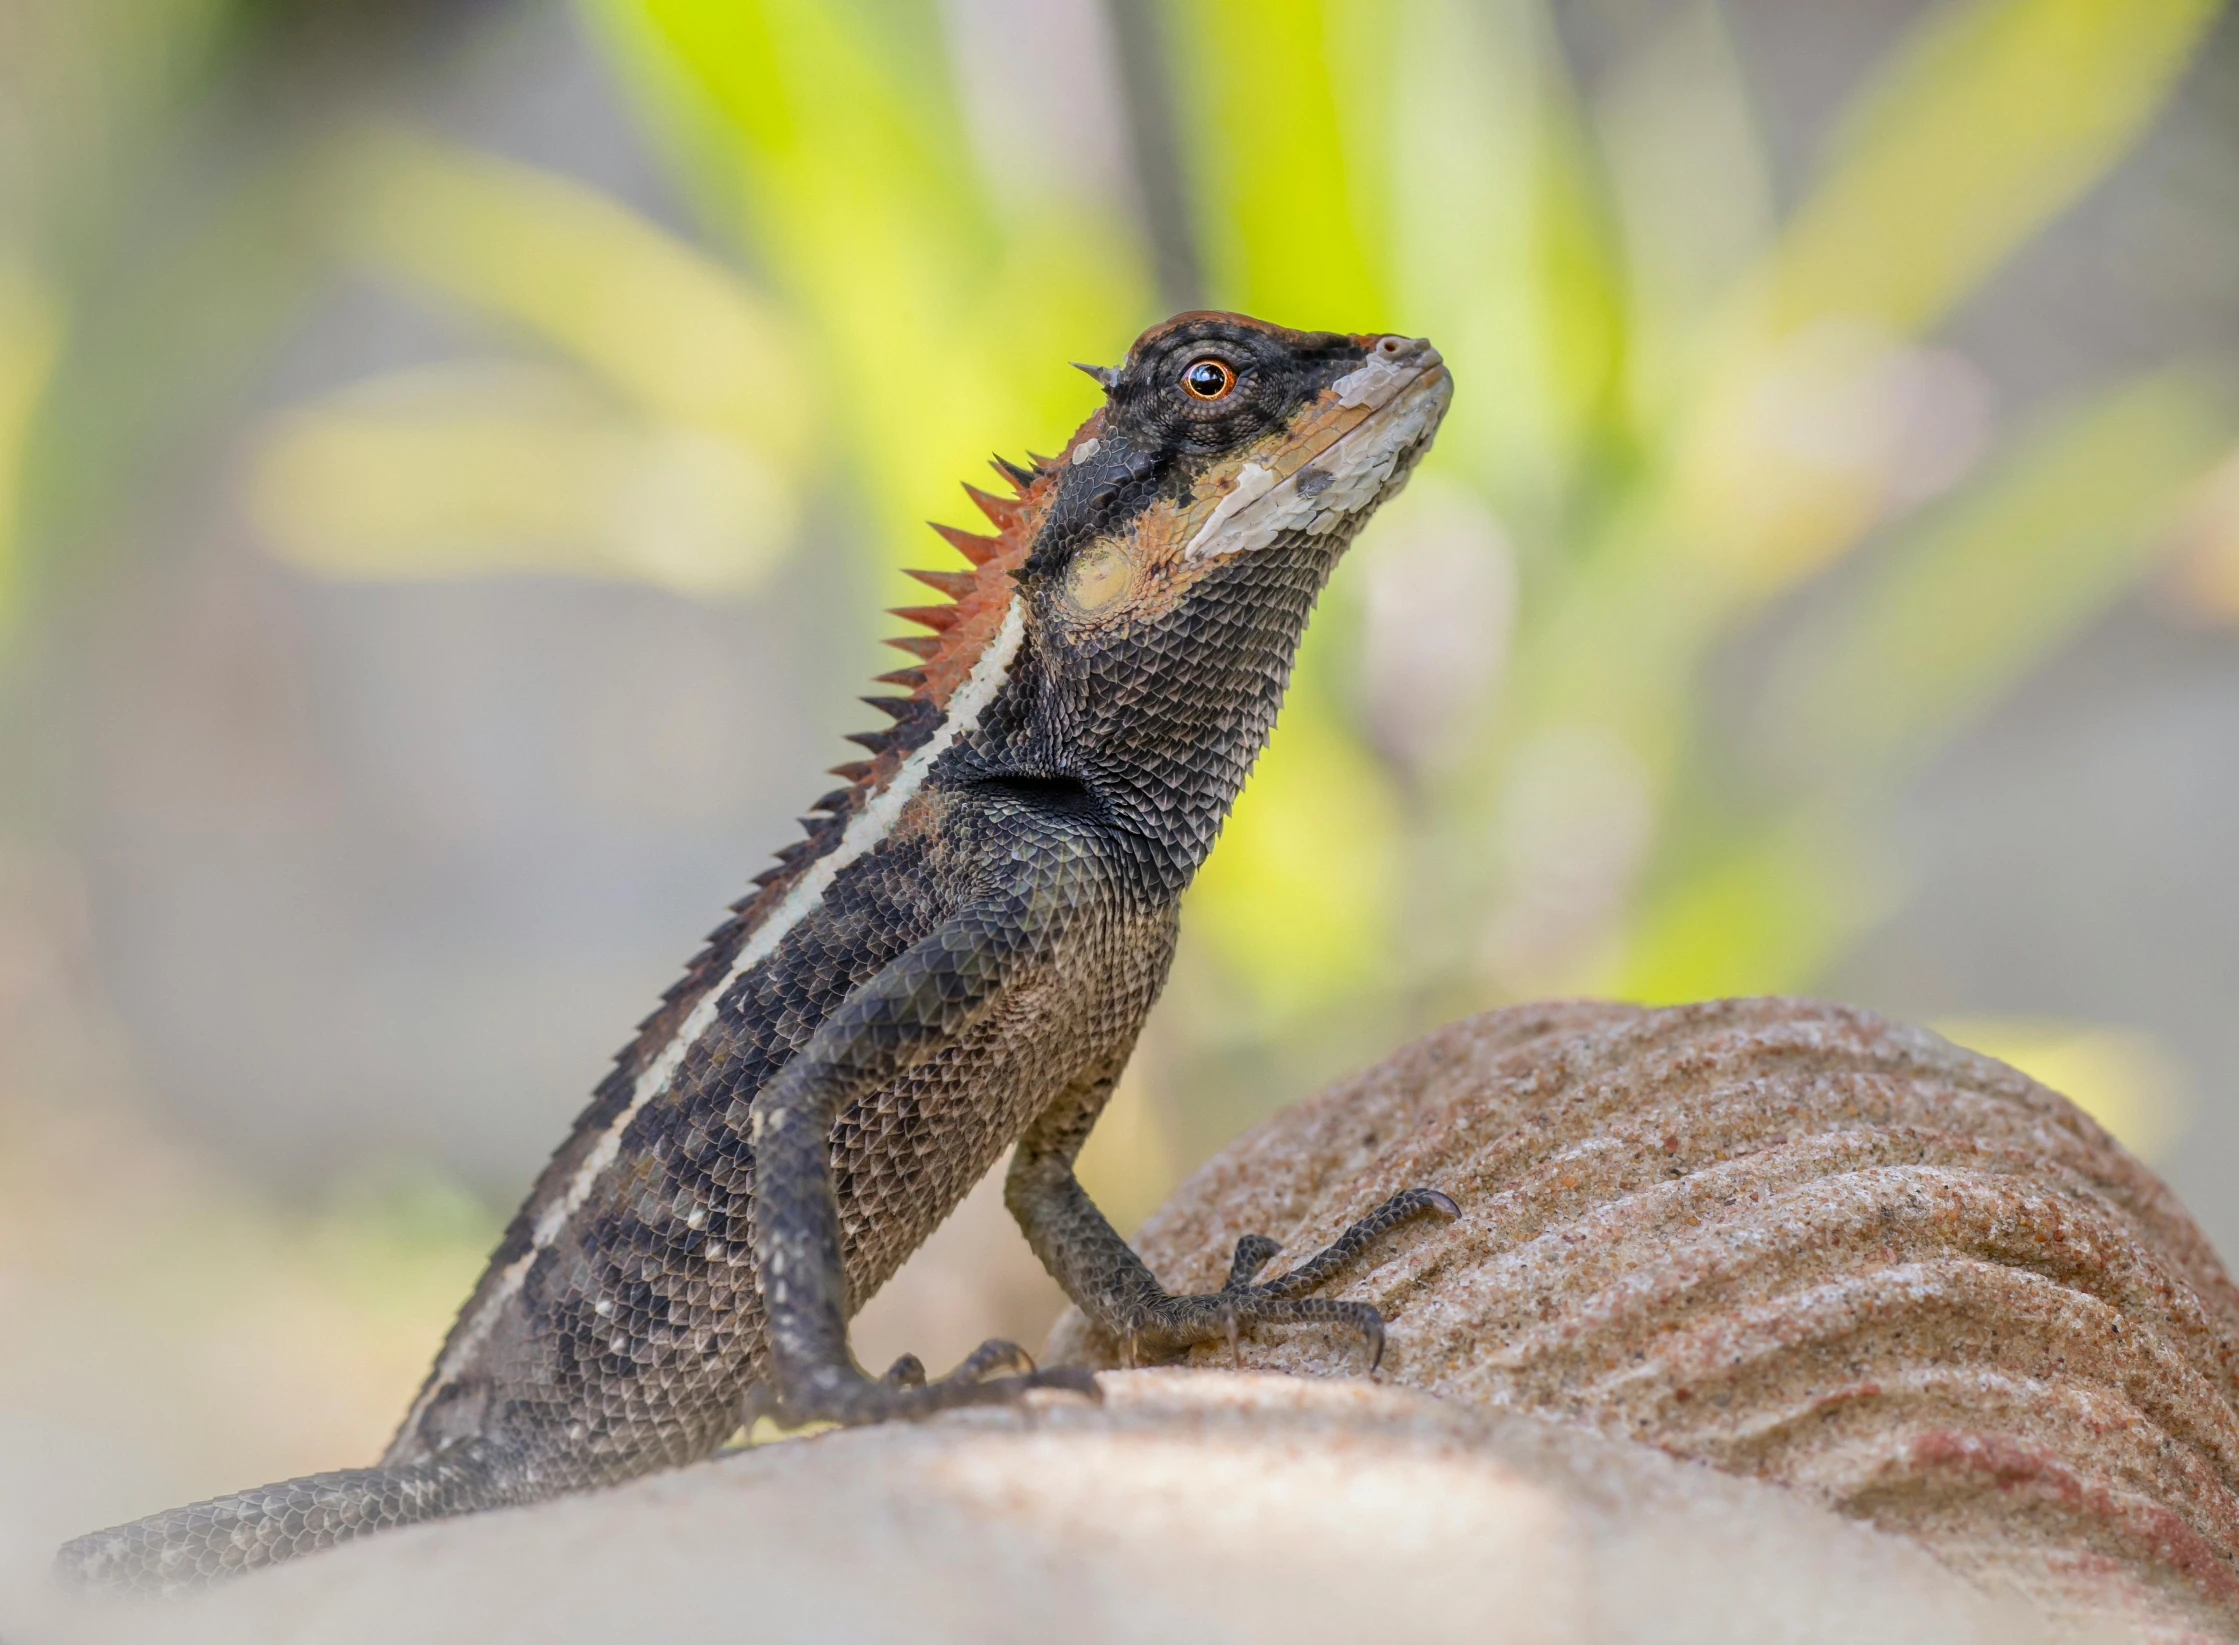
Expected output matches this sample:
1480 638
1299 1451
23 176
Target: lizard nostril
1391 345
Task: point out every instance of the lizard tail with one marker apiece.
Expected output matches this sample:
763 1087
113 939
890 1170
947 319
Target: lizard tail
207 1542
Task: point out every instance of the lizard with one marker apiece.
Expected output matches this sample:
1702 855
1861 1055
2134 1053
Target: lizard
955 959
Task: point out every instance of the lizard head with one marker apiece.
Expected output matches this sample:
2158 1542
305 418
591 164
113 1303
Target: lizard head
1131 624
1193 521
1222 436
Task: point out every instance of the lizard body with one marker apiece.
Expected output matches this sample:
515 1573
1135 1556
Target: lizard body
956 959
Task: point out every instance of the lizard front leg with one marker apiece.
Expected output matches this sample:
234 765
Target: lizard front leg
1108 1282
911 1010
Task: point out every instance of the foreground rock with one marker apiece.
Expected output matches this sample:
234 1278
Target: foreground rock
1763 1321
1795 1242
1201 1506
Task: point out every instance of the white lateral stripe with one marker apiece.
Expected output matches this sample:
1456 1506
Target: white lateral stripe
864 831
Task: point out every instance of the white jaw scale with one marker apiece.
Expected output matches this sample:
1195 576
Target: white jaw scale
1409 393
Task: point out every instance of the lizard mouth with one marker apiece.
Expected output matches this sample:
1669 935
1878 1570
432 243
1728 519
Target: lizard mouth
1419 391
1407 391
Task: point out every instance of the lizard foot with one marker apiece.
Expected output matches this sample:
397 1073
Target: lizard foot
1173 1323
851 1399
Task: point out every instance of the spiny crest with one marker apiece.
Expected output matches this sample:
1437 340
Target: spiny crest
978 596
960 627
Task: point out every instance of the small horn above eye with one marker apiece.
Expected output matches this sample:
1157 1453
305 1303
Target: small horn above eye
1105 376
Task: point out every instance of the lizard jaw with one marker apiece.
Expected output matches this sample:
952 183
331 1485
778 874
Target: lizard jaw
1408 394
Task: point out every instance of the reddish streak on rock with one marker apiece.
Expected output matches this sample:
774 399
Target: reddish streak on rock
2157 1532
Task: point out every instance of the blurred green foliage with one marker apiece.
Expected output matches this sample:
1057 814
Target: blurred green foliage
1676 408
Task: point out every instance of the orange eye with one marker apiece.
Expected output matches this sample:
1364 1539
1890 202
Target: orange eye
1208 379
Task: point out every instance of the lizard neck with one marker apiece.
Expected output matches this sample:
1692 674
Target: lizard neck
1164 751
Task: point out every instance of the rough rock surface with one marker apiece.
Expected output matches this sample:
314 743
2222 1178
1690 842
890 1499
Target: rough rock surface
1192 1505
1796 1242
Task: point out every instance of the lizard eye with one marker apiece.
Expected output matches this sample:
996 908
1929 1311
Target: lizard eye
1208 379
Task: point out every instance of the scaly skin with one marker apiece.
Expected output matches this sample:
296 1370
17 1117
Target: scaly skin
958 958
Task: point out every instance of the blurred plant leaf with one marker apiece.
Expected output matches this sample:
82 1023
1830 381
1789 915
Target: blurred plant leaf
1289 199
172 332
942 308
1797 442
31 327
1691 187
664 443
1797 455
1952 615
1466 263
1581 276
482 469
679 336
1989 120
1979 593
97 91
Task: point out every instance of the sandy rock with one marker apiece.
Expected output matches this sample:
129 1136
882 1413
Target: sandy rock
1192 1505
1795 1242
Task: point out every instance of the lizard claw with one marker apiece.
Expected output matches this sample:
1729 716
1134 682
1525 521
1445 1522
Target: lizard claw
1069 1379
1252 1253
990 1357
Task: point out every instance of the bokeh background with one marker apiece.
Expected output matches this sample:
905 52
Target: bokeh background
453 455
